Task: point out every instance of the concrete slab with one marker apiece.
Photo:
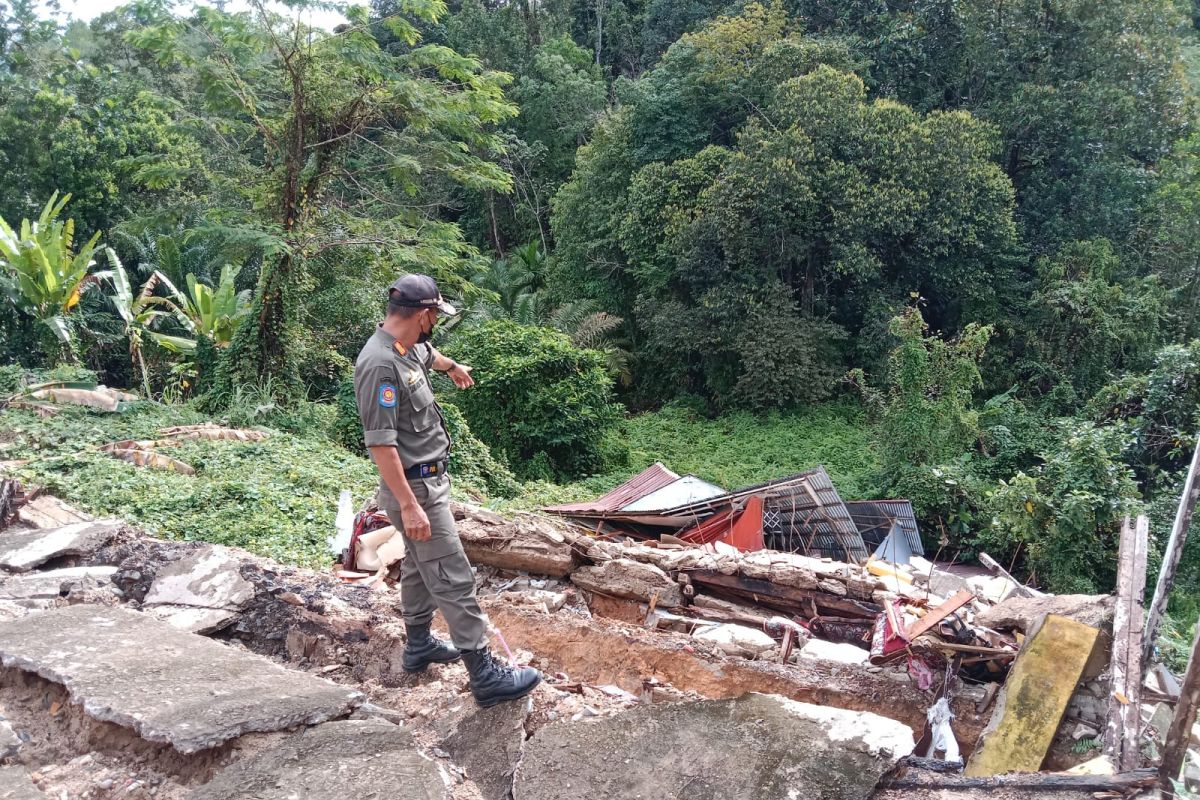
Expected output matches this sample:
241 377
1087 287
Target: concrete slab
21 551
337 760
487 743
16 785
1031 705
45 511
208 578
54 583
193 620
173 687
761 746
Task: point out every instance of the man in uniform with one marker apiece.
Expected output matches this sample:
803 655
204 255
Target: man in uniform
406 435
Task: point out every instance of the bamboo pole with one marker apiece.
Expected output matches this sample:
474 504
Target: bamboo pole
1171 556
1179 734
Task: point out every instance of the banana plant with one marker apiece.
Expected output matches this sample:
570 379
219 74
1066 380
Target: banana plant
41 273
139 313
210 312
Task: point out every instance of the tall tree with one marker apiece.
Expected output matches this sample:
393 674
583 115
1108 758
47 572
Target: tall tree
327 140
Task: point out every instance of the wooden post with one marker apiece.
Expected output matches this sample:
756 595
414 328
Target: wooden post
1124 699
1179 734
1166 575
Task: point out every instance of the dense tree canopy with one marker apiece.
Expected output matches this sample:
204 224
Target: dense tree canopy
975 222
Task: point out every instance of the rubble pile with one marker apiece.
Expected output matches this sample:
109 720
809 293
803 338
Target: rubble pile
139 668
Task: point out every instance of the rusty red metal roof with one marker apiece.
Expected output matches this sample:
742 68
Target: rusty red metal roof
649 480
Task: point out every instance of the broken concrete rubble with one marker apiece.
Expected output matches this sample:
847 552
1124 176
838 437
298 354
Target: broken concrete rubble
1024 613
54 583
760 746
350 759
355 636
21 551
201 592
840 652
736 640
630 580
16 785
528 545
487 743
169 686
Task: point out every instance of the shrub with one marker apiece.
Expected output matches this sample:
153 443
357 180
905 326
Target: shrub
1063 518
542 402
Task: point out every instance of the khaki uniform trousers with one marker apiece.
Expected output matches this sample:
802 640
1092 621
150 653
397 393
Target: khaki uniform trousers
435 574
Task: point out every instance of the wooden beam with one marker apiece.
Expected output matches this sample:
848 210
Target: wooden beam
1124 699
785 598
1171 556
1040 782
1179 734
936 615
8 496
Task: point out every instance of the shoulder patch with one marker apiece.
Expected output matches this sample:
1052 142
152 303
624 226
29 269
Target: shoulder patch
387 394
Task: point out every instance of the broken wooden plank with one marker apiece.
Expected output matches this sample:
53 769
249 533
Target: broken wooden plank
8 502
936 615
1172 554
786 598
1120 783
1032 703
1124 700
1179 734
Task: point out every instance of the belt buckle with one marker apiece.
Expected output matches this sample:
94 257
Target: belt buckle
428 469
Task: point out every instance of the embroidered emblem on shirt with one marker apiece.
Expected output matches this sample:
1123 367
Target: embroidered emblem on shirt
414 378
387 395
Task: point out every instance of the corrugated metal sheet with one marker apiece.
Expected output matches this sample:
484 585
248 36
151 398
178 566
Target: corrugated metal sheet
875 518
649 480
688 489
802 513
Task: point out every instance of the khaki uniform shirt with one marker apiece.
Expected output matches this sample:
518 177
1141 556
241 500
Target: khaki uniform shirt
396 405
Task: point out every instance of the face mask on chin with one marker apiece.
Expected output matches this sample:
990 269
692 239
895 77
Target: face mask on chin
423 337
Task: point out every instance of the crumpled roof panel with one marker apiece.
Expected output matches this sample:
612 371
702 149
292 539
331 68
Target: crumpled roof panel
646 482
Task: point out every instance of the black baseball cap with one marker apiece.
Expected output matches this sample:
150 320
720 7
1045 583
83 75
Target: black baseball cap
419 291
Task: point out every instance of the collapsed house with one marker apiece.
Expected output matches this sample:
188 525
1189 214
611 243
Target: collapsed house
662 613
801 513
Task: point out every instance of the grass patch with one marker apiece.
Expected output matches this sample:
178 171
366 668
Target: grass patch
737 450
276 498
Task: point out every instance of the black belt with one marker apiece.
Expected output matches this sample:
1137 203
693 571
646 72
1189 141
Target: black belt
427 470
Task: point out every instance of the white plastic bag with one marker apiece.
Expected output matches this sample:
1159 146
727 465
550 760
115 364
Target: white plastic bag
343 525
939 716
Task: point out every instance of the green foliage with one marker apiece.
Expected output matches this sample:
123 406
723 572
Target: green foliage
277 497
315 133
543 403
926 412
1063 518
41 272
1084 326
139 313
1086 96
928 425
799 208
735 450
1159 411
212 313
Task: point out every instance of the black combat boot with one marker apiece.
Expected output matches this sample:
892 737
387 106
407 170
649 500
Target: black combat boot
424 648
493 682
